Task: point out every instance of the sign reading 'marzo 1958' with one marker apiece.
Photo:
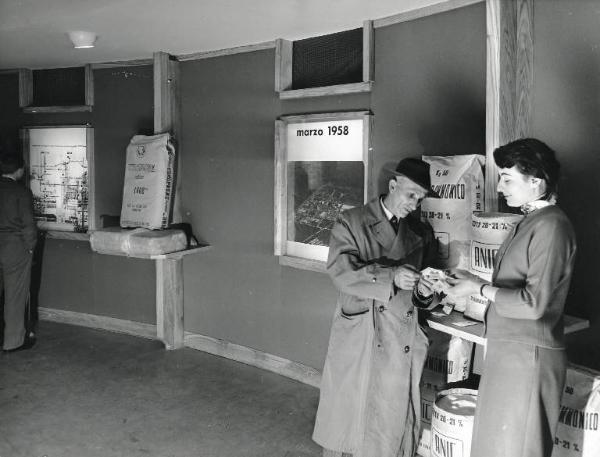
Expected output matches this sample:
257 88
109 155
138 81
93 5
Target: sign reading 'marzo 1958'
331 130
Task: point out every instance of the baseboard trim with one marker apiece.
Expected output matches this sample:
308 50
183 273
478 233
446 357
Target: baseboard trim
110 324
249 356
222 348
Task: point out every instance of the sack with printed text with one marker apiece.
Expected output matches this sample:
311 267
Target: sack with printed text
458 180
448 360
577 433
148 186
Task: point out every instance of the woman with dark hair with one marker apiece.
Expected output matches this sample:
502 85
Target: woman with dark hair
525 362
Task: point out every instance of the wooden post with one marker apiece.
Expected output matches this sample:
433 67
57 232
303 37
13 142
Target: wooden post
169 302
169 272
509 81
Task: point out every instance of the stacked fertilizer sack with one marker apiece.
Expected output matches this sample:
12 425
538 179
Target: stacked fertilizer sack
488 231
578 433
147 197
137 242
459 182
448 360
452 423
148 186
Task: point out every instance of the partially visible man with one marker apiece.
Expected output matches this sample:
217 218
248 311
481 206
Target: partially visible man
17 241
370 400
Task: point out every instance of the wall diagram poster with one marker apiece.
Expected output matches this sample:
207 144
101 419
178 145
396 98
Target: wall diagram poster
58 176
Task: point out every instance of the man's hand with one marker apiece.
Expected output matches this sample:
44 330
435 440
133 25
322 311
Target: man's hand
424 287
406 276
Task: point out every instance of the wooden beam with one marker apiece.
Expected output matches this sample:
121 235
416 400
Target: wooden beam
122 63
167 115
226 51
25 87
509 81
283 65
368 51
89 85
425 11
163 95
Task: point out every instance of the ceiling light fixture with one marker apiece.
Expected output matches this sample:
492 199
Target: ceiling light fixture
82 39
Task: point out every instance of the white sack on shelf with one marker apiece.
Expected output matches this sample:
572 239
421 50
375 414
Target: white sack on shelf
148 185
139 241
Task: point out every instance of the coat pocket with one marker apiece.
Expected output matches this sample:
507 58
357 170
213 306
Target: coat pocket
352 306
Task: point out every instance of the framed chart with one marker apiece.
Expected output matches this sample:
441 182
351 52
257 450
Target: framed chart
59 162
321 169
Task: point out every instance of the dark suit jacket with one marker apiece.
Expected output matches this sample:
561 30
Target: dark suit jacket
16 213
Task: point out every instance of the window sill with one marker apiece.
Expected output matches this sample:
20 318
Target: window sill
341 89
303 264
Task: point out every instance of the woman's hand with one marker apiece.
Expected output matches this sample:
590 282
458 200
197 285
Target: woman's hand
463 283
457 273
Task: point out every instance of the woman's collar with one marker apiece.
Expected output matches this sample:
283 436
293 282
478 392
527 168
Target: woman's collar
530 207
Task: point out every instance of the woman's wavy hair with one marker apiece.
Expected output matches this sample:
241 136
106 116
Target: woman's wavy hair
531 157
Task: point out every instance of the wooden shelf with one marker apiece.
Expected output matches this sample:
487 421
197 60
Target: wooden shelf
171 255
57 109
303 264
60 235
453 324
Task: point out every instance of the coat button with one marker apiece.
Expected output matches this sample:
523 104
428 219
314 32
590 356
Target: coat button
381 308
409 313
406 348
374 279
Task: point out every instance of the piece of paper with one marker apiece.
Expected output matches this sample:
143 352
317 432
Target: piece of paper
464 323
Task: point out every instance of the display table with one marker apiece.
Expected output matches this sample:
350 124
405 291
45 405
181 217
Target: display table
458 325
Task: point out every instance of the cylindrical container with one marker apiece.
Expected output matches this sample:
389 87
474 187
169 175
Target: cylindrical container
488 231
452 423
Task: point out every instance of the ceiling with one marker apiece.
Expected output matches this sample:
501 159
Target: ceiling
33 32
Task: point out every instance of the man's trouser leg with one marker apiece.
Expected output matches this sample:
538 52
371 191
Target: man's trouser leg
16 271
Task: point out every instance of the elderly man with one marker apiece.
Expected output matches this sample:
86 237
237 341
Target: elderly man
17 241
370 403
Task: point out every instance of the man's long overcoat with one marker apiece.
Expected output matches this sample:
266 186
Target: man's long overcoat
369 401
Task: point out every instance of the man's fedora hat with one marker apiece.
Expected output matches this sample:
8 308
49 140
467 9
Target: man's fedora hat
417 171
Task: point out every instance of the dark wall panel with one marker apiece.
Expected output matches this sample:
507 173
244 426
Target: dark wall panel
74 278
429 94
236 290
9 119
566 114
123 108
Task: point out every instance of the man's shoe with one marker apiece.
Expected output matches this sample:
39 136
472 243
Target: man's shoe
27 344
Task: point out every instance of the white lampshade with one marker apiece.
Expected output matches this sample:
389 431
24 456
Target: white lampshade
82 39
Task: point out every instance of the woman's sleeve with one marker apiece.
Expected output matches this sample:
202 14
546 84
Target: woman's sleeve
350 273
550 258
